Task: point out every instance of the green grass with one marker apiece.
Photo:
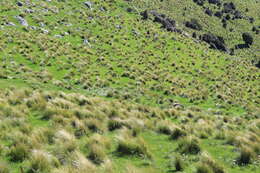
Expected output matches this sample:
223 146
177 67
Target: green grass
136 75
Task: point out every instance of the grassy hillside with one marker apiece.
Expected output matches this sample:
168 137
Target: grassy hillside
93 86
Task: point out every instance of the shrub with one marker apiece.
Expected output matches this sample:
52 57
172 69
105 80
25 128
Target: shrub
19 152
189 145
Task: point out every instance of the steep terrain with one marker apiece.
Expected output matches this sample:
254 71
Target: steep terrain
129 86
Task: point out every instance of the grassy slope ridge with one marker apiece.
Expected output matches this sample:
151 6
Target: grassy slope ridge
140 72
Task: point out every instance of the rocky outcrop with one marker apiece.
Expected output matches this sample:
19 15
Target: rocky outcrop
166 22
215 42
248 38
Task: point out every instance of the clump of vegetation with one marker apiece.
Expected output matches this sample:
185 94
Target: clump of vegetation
128 145
19 152
4 168
177 164
208 165
246 156
40 162
189 145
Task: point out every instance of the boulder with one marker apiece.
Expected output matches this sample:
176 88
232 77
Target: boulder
145 14
199 2
258 64
194 24
22 21
229 7
248 38
88 4
208 12
166 22
19 3
219 14
215 42
214 1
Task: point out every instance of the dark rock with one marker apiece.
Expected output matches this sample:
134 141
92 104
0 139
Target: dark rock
232 51
241 46
227 17
208 12
145 14
166 22
254 29
199 2
215 42
194 35
251 20
258 64
88 4
194 24
248 39
219 14
224 25
19 3
229 7
214 1
22 21
238 15
129 10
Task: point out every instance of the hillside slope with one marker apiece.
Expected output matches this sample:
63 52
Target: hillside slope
92 85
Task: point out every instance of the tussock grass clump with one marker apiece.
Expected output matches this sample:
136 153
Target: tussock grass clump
165 127
208 165
97 153
19 152
177 164
95 125
177 133
114 124
203 168
246 156
4 168
189 145
133 146
76 163
41 162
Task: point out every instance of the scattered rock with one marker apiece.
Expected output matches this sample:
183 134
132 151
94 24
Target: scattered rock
258 64
251 20
229 7
145 15
214 1
22 21
237 15
194 24
88 4
19 3
218 14
208 12
248 38
199 2
241 46
166 22
215 42
86 42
